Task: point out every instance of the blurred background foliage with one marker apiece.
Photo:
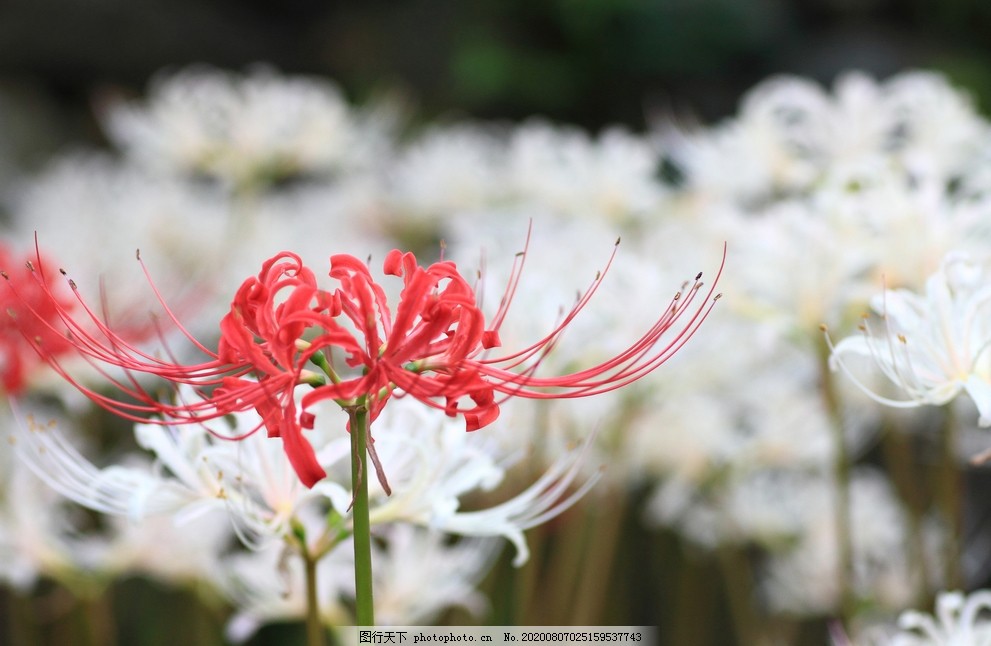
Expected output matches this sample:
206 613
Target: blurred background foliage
587 62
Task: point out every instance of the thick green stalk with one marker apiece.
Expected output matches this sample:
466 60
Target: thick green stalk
364 607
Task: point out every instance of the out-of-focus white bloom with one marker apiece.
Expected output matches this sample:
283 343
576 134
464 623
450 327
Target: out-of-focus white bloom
564 256
473 172
959 620
179 554
242 128
36 536
901 229
195 472
314 220
799 262
931 347
760 506
567 172
447 171
421 573
821 193
718 440
198 242
750 156
751 415
791 136
804 579
92 213
939 131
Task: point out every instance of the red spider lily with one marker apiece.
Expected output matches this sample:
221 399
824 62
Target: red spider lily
29 313
283 330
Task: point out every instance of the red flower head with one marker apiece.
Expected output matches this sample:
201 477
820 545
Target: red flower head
283 330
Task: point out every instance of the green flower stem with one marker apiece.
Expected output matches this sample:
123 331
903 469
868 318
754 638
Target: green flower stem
25 620
694 604
897 450
605 524
563 569
738 579
841 474
950 493
526 580
314 627
364 607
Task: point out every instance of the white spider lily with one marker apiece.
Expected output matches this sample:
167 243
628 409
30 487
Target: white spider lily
431 463
958 621
421 573
418 575
195 471
37 538
268 585
549 496
429 458
120 490
931 347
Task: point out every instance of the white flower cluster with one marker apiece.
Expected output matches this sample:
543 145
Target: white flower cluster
201 489
824 197
959 620
242 129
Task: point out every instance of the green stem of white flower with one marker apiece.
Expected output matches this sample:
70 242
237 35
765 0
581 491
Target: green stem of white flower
905 474
739 581
841 475
950 500
314 627
300 541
